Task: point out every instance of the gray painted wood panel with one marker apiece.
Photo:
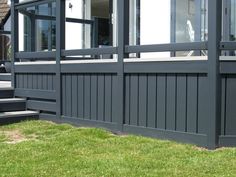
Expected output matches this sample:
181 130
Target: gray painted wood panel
108 98
63 95
87 96
35 81
173 102
101 97
134 82
114 110
223 104
170 102
80 97
230 126
94 95
142 102
203 104
68 95
127 99
161 101
74 99
181 102
192 103
151 101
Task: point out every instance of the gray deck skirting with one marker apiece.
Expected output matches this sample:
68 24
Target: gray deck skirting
187 99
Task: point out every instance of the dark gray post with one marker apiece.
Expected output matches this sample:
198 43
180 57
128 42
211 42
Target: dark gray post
214 38
32 34
60 44
123 39
14 38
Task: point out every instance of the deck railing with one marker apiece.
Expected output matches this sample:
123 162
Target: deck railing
187 100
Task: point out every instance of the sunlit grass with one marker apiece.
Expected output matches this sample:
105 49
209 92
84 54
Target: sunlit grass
62 150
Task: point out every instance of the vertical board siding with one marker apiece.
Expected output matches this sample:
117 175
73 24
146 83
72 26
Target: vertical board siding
127 100
161 101
94 97
181 102
203 105
151 101
74 93
192 103
89 96
170 102
223 104
108 98
167 101
143 104
174 102
134 82
80 98
35 81
228 104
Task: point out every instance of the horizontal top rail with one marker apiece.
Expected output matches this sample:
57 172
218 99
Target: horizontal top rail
167 47
53 18
227 45
36 55
92 51
166 59
52 54
31 3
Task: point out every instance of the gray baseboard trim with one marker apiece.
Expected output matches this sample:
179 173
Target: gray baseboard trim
227 141
197 139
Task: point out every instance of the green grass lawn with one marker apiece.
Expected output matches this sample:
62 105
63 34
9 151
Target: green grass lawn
38 148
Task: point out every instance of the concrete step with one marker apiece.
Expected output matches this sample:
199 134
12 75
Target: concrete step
17 116
5 76
6 92
12 104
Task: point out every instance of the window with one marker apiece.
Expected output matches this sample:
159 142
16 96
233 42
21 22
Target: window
93 26
229 24
169 21
39 34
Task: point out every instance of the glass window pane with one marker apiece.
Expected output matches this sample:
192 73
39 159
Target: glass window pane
229 24
94 24
169 21
37 28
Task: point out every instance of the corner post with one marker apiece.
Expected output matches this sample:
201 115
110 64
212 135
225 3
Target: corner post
14 38
123 39
214 38
60 45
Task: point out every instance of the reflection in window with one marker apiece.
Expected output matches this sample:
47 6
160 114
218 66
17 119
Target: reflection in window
93 24
229 24
190 24
169 21
39 28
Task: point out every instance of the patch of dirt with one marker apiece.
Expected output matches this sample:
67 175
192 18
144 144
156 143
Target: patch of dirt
200 148
15 136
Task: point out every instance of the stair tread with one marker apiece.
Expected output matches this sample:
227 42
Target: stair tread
5 74
6 88
18 113
12 100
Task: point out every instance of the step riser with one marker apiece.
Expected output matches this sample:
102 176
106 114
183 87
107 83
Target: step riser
17 106
11 120
6 93
5 77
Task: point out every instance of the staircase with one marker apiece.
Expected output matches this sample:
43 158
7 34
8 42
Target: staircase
12 109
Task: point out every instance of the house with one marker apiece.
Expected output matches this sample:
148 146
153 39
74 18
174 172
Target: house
159 68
